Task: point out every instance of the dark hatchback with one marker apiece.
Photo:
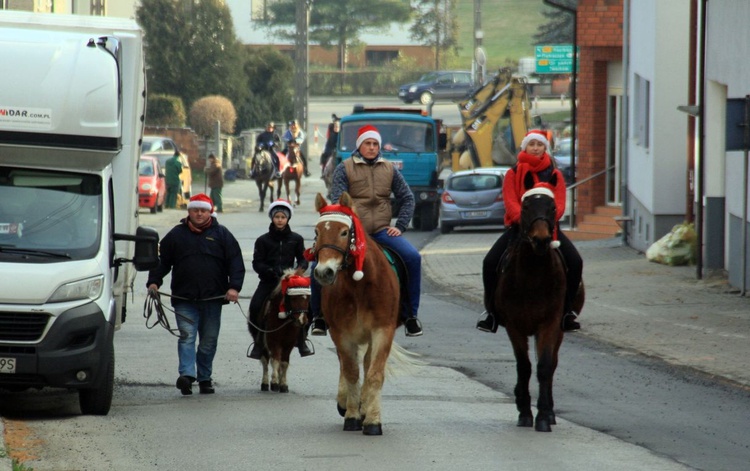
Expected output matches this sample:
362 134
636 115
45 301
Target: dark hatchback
442 85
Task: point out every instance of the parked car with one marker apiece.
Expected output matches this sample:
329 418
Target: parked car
441 85
163 148
473 198
152 188
562 156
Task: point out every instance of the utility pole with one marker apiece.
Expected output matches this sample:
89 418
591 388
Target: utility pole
302 66
478 51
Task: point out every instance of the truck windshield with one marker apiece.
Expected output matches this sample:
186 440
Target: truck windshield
396 136
48 216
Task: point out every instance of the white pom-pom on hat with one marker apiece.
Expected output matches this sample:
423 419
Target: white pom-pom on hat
358 275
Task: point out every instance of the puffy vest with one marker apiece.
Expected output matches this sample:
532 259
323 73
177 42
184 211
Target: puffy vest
370 187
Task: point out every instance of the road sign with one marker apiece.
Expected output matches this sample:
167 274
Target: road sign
557 59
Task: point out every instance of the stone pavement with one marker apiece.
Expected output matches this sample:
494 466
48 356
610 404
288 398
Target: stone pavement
634 304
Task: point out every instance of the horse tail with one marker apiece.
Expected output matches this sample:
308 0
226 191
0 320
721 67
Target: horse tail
403 362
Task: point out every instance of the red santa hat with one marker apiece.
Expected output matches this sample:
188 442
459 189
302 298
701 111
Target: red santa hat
544 188
281 205
367 132
200 201
294 285
535 135
358 246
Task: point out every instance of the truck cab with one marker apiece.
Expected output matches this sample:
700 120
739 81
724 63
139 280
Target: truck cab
413 141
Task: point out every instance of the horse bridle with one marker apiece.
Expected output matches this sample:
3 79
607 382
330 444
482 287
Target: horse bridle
544 217
346 253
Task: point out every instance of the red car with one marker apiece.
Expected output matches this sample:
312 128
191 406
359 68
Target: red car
152 188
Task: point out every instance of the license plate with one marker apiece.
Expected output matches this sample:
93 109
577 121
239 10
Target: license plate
476 214
7 365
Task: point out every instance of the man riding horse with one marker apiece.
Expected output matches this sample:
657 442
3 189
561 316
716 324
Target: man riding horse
267 140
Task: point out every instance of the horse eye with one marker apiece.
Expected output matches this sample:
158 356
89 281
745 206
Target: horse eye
344 232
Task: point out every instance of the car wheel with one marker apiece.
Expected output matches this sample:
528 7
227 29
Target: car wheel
152 209
425 98
445 228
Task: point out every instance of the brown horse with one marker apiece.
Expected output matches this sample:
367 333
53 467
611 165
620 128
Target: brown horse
286 312
293 171
264 176
529 302
360 302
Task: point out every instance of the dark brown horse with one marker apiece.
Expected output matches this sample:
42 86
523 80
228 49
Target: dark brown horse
529 302
293 172
264 172
360 303
286 312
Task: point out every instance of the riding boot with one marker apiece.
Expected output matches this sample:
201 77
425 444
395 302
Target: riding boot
319 326
258 346
304 350
488 324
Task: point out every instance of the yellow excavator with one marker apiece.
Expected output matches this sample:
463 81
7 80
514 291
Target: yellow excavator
479 143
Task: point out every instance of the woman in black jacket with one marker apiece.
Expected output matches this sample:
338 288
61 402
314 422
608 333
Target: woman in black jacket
275 251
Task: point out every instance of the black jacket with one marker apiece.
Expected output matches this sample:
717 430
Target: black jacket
203 265
275 251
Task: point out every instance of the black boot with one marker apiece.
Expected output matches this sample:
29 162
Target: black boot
569 322
319 326
413 327
488 324
258 346
304 350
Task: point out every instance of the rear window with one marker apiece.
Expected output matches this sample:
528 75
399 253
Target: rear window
475 182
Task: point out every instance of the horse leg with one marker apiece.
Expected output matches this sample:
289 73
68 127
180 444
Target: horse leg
261 194
286 188
547 346
275 364
283 368
297 184
264 381
377 356
523 375
348 397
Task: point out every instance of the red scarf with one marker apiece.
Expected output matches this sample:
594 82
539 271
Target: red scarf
201 228
530 163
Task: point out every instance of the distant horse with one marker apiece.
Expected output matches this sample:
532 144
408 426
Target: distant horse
360 302
293 171
286 312
264 176
529 302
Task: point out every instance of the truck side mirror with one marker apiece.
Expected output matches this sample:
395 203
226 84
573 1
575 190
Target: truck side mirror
146 248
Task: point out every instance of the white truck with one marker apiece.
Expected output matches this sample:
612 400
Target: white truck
72 107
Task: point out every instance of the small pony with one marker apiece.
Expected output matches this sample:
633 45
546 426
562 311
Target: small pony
293 172
360 301
529 302
264 176
286 311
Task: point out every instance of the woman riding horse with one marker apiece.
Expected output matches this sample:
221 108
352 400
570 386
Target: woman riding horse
534 166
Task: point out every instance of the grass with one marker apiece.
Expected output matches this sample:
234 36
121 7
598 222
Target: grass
508 27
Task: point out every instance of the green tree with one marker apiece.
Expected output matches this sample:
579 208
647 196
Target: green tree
269 75
333 22
558 29
207 110
436 26
191 49
165 110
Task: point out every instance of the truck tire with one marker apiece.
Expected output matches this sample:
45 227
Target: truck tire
98 400
428 216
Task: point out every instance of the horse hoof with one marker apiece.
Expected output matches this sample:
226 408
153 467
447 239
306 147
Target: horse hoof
525 422
342 411
373 429
352 425
552 419
275 387
264 387
284 388
542 425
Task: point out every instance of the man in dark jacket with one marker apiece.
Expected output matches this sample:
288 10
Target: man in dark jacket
207 271
275 251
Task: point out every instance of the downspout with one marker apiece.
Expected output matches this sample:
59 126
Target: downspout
625 124
699 177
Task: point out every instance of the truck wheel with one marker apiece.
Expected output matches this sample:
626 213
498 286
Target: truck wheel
428 217
445 228
425 98
97 401
416 220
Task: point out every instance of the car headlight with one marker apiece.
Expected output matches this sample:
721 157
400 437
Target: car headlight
412 89
90 288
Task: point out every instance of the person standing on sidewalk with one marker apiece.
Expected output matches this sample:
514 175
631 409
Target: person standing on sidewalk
172 172
207 271
215 177
534 166
276 251
370 179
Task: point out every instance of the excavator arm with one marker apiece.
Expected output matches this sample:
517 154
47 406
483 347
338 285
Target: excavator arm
480 114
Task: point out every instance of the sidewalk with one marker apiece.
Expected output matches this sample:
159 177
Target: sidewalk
631 303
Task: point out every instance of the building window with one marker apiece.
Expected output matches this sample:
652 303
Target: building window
642 103
379 58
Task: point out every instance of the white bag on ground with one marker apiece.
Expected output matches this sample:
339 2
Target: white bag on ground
676 248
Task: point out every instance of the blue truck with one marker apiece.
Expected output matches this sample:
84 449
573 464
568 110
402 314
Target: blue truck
414 142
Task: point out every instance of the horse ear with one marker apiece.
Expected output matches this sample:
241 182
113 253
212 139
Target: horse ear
528 180
553 180
345 200
320 202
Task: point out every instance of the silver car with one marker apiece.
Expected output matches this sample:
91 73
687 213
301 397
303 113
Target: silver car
473 198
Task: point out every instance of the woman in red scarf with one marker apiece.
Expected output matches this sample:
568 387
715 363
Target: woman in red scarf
534 167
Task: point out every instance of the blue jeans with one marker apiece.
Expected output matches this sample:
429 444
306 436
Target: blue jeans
412 260
206 322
